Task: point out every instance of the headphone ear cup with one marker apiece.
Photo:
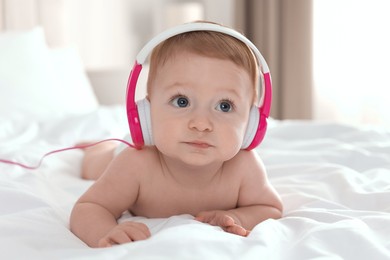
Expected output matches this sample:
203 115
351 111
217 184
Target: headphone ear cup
251 129
143 107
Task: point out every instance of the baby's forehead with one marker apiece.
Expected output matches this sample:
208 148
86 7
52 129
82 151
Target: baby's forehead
187 55
191 72
181 52
183 59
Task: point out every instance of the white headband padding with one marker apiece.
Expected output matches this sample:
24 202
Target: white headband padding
145 120
251 129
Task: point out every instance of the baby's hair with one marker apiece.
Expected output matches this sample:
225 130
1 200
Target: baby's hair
209 44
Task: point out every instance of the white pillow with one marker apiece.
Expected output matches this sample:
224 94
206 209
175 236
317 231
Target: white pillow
70 72
40 83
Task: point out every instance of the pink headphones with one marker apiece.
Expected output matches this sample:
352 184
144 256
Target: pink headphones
138 113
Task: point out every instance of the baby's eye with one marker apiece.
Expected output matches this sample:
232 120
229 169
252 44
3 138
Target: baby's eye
180 101
225 106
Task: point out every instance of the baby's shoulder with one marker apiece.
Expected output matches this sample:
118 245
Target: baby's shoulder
243 156
137 161
246 163
144 156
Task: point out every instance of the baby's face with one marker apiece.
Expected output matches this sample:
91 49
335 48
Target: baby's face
200 108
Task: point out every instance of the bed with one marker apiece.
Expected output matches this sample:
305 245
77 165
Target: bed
334 179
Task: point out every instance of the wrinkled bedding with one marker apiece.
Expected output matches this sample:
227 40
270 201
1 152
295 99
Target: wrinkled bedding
334 181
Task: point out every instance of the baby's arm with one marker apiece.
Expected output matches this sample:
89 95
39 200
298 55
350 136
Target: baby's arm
97 227
239 221
257 199
94 217
125 232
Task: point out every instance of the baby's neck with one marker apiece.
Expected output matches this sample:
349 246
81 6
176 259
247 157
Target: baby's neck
190 175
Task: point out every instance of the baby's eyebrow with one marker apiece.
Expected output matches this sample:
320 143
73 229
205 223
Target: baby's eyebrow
231 91
176 84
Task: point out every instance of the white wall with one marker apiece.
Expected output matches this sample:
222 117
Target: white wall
109 33
351 61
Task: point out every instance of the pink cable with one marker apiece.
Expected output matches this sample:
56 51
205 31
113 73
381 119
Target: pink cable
63 150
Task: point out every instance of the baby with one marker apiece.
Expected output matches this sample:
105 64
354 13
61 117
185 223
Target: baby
201 87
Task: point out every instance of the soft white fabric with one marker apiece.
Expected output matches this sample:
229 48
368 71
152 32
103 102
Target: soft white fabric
334 181
39 82
72 78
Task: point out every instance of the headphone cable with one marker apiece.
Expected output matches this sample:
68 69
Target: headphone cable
83 146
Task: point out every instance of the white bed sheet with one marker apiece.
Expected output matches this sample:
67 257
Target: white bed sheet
334 181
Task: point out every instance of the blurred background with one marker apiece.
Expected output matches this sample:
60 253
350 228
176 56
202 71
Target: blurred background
328 58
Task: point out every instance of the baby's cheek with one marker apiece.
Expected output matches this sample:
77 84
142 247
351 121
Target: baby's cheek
239 133
232 144
160 140
165 136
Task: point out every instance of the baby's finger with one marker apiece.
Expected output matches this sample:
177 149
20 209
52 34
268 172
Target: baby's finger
119 238
205 216
225 221
215 218
238 230
104 242
138 232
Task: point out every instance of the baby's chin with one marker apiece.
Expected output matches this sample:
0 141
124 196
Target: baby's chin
201 159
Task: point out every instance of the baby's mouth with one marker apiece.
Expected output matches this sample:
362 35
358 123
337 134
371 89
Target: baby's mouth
199 144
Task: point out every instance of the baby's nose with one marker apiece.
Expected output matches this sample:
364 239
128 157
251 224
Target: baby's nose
200 121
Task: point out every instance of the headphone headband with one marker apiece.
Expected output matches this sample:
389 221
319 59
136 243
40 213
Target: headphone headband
191 27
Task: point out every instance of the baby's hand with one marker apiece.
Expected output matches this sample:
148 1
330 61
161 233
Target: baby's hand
222 219
124 233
